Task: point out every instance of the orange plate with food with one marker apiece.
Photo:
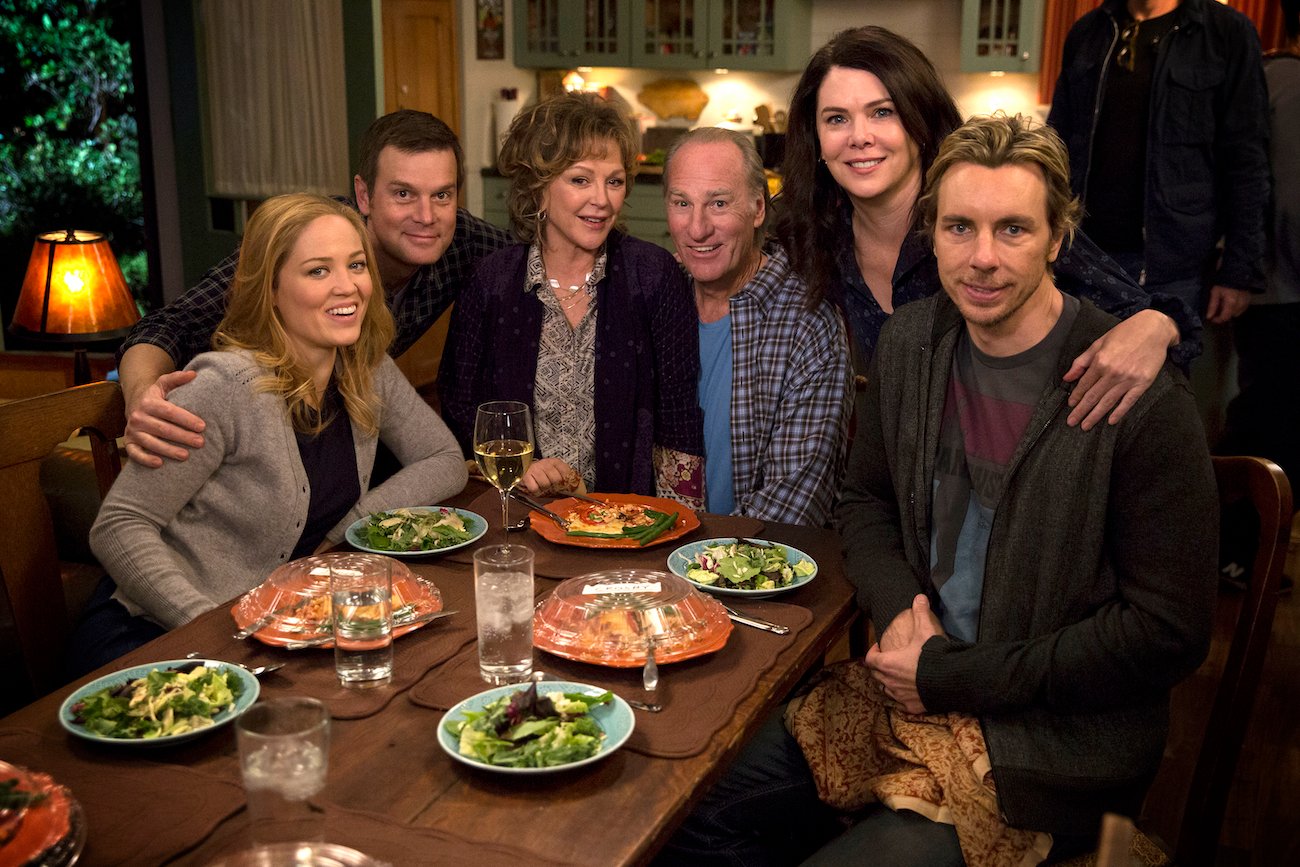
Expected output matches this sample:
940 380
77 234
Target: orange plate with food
43 825
622 510
297 598
609 618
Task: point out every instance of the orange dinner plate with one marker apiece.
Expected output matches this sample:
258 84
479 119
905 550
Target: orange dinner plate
51 831
552 532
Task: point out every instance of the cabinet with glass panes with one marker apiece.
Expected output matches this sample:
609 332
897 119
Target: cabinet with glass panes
734 34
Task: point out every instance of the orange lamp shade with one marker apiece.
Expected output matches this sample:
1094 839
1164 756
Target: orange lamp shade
73 288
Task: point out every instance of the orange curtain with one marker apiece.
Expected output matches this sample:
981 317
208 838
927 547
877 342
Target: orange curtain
1060 15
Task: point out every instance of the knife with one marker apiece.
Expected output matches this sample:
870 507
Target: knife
765 625
538 507
326 639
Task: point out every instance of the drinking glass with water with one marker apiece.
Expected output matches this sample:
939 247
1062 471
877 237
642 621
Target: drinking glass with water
503 602
361 600
284 756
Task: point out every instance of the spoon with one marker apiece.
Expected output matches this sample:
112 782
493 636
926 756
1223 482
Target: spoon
649 679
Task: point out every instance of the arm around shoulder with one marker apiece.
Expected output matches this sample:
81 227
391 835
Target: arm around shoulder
127 536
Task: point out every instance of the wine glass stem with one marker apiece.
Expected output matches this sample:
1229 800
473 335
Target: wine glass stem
505 516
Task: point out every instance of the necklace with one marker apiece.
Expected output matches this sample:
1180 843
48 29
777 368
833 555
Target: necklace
576 293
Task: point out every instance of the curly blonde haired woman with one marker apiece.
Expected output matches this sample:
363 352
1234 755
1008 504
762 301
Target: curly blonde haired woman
296 396
595 330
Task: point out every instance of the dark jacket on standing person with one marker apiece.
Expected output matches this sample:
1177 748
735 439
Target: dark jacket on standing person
1207 164
1099 579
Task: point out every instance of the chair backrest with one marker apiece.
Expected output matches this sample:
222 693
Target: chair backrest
30 429
1265 486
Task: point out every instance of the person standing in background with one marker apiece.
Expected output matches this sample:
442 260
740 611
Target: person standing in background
1264 417
1162 106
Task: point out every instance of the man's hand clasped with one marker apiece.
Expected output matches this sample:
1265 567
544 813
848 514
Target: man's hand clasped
894 658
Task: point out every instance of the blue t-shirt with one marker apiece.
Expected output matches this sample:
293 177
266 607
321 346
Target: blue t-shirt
715 401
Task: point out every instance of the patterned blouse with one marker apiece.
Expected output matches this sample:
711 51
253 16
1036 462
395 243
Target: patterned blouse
565 385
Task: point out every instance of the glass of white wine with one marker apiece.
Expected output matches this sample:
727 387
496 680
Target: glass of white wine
503 446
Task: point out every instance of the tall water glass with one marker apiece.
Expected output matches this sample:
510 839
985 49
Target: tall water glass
503 603
361 598
503 446
284 755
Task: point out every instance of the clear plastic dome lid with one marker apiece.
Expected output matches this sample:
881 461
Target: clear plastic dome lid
610 617
296 596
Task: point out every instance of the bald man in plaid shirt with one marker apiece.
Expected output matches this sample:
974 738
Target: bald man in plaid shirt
775 381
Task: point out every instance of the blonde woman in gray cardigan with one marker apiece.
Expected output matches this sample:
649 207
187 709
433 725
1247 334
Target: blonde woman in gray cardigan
296 396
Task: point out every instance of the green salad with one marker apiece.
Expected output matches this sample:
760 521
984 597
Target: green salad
746 566
531 730
163 702
416 530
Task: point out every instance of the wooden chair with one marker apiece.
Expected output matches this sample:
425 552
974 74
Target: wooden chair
1190 811
31 594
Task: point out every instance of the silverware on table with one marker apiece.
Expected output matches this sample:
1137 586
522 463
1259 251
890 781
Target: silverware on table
255 671
538 507
260 623
649 680
326 639
756 622
587 499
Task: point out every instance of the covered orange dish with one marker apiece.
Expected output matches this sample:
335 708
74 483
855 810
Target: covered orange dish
40 822
608 618
296 598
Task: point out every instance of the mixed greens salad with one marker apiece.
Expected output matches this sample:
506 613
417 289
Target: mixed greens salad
164 702
530 730
746 566
416 529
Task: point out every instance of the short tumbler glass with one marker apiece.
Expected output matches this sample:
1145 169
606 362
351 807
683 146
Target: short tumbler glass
503 602
284 755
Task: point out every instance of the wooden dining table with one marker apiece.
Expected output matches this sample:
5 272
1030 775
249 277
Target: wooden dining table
391 790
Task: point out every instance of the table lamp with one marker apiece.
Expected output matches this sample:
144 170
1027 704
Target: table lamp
74 293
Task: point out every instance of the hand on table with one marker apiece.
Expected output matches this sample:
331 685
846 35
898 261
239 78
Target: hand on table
550 477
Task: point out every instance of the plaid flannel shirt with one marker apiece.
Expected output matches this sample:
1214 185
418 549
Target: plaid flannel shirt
184 327
791 398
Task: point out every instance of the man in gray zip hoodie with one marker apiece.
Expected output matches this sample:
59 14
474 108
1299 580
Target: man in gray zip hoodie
1052 581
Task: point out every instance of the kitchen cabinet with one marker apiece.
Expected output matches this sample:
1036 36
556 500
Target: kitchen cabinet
1001 35
642 215
568 33
770 35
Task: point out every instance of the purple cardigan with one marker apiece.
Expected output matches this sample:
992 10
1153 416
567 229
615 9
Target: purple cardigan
647 357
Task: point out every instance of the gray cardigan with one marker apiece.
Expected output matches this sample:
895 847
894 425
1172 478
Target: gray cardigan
182 539
1099 579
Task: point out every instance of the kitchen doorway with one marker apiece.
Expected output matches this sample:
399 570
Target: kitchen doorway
421 71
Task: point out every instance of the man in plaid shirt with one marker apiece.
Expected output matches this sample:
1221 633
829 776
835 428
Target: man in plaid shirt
775 382
411 168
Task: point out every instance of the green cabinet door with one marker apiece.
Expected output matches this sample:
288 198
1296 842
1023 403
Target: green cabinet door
707 34
1001 35
566 33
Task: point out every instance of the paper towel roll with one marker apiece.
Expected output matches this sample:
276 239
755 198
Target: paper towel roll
504 111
